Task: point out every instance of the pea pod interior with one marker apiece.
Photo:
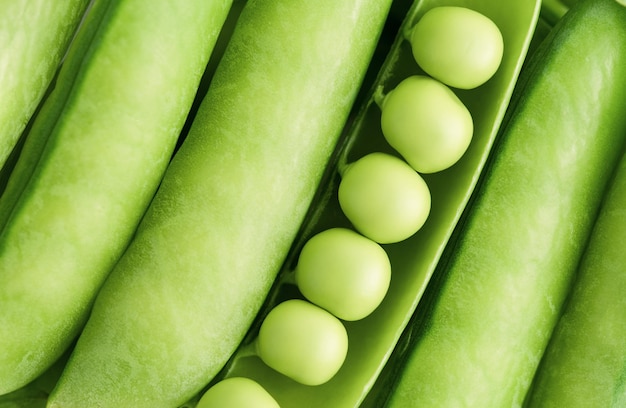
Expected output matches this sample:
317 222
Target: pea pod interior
372 339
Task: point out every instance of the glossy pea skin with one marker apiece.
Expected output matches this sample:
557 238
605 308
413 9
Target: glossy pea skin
343 272
237 392
426 123
384 198
303 342
458 46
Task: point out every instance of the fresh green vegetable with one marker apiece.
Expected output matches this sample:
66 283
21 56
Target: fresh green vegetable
372 339
208 249
457 45
385 199
585 362
483 328
34 35
343 272
426 123
553 10
93 160
35 394
303 342
238 392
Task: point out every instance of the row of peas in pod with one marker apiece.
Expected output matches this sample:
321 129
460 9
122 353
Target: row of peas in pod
344 274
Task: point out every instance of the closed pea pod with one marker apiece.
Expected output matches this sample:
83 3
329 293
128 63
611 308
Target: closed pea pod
34 35
585 361
207 251
90 165
479 337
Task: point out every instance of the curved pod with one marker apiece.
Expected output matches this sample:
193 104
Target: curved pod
92 162
208 249
483 329
34 35
372 339
583 365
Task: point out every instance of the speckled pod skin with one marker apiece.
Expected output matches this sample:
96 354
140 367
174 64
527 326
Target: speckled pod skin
583 365
232 201
90 165
34 35
501 288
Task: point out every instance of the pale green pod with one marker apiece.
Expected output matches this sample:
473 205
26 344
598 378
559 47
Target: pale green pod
190 284
34 36
91 164
480 334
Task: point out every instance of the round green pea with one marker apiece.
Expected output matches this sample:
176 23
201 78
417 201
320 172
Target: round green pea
237 392
303 342
384 198
343 272
458 46
426 123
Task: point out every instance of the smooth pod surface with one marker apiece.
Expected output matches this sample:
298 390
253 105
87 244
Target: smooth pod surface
232 200
500 290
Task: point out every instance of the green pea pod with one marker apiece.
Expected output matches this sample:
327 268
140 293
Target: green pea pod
584 364
371 340
488 316
35 394
34 35
91 164
185 292
553 10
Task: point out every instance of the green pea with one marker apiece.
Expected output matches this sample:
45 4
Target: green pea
426 123
237 392
373 339
303 342
343 272
384 198
458 46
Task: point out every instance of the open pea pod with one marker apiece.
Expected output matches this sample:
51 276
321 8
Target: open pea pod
372 340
